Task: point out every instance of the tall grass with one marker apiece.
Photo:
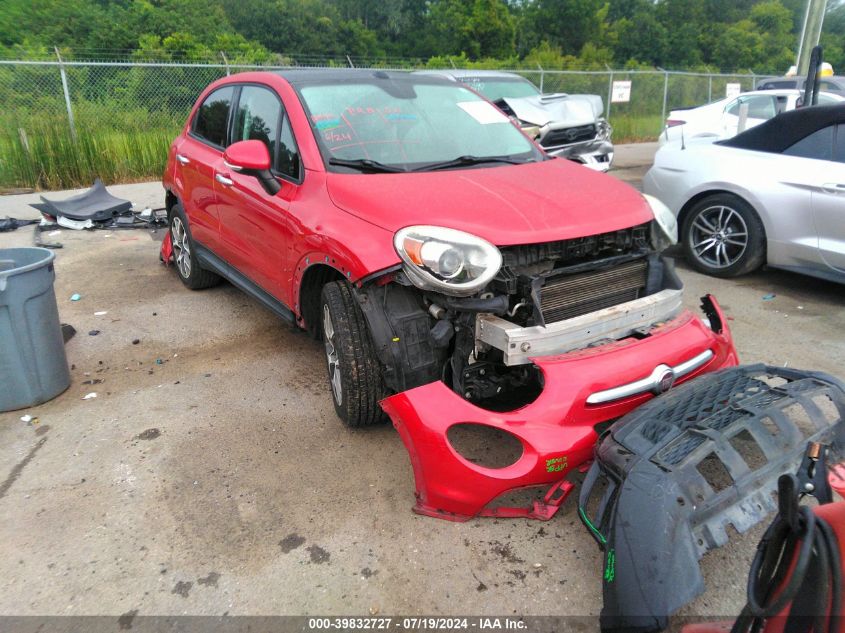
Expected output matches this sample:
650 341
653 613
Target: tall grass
49 158
632 128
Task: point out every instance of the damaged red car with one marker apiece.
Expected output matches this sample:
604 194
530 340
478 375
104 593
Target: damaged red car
456 274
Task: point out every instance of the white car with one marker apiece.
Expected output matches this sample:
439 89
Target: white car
772 195
720 119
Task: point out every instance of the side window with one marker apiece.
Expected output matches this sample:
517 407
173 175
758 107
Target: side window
828 100
733 107
760 107
212 117
818 145
287 160
257 118
839 147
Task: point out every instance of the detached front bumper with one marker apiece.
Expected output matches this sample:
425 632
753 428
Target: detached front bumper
557 430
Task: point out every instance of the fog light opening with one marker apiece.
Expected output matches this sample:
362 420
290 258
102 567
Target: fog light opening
485 446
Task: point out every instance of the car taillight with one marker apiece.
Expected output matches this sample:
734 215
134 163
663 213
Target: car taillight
674 122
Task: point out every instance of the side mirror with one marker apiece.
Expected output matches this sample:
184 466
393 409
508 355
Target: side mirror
252 158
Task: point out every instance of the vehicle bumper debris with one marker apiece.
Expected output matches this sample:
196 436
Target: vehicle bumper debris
557 431
671 476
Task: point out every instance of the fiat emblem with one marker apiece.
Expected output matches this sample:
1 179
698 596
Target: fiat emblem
665 381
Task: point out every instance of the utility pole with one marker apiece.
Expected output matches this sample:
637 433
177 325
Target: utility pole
810 33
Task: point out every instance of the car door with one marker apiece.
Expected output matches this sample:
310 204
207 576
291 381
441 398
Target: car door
197 156
256 226
808 165
760 108
829 203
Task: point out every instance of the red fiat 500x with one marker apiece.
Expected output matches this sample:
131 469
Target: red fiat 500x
456 274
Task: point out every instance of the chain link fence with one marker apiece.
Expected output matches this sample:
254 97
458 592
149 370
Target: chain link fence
66 122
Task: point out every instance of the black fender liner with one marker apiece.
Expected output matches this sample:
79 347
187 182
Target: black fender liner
681 468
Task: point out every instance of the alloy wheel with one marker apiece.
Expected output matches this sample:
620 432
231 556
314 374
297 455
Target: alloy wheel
718 236
332 356
181 247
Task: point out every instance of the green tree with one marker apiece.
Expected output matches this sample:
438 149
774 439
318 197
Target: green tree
740 46
567 24
641 38
774 22
479 28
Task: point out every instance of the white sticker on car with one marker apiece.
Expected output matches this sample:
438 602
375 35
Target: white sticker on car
483 112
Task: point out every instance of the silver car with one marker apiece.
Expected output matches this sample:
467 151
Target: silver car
772 195
569 126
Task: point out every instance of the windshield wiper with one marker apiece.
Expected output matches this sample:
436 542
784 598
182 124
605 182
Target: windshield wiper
366 164
468 159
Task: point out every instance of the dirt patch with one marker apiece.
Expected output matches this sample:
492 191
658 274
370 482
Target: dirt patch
182 588
291 542
505 552
210 580
318 554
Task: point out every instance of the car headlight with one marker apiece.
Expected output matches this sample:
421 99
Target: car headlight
604 130
667 223
446 260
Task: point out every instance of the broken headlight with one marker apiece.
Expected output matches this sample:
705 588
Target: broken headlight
446 260
664 229
603 130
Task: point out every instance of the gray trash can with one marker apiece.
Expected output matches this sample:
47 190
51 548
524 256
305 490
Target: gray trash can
33 365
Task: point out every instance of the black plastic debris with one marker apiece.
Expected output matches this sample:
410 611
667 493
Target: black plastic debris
68 332
98 209
12 224
96 205
671 476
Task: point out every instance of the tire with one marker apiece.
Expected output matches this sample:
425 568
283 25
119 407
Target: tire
723 236
185 259
355 375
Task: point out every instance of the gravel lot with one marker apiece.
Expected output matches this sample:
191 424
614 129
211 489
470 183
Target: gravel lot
220 480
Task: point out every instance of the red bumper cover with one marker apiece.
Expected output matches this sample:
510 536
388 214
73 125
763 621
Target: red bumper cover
556 430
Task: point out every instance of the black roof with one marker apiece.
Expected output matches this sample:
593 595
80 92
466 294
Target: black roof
302 76
786 129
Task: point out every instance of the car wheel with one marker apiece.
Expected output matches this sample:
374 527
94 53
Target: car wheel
724 237
355 377
185 256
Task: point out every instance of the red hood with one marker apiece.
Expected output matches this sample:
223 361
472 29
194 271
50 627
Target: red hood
506 205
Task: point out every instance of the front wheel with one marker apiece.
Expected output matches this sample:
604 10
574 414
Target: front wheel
724 237
184 254
355 376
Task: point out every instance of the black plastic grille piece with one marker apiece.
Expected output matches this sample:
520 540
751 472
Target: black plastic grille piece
569 135
578 249
567 296
673 474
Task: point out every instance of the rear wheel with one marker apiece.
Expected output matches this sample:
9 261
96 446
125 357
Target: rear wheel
184 254
355 377
724 237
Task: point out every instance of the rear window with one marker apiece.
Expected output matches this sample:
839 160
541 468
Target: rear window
818 145
212 118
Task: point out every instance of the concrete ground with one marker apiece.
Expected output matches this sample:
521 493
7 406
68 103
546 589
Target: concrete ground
210 474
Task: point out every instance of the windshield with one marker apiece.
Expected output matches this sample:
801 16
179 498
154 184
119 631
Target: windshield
409 124
495 88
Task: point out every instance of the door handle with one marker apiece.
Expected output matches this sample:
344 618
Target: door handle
223 180
183 159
